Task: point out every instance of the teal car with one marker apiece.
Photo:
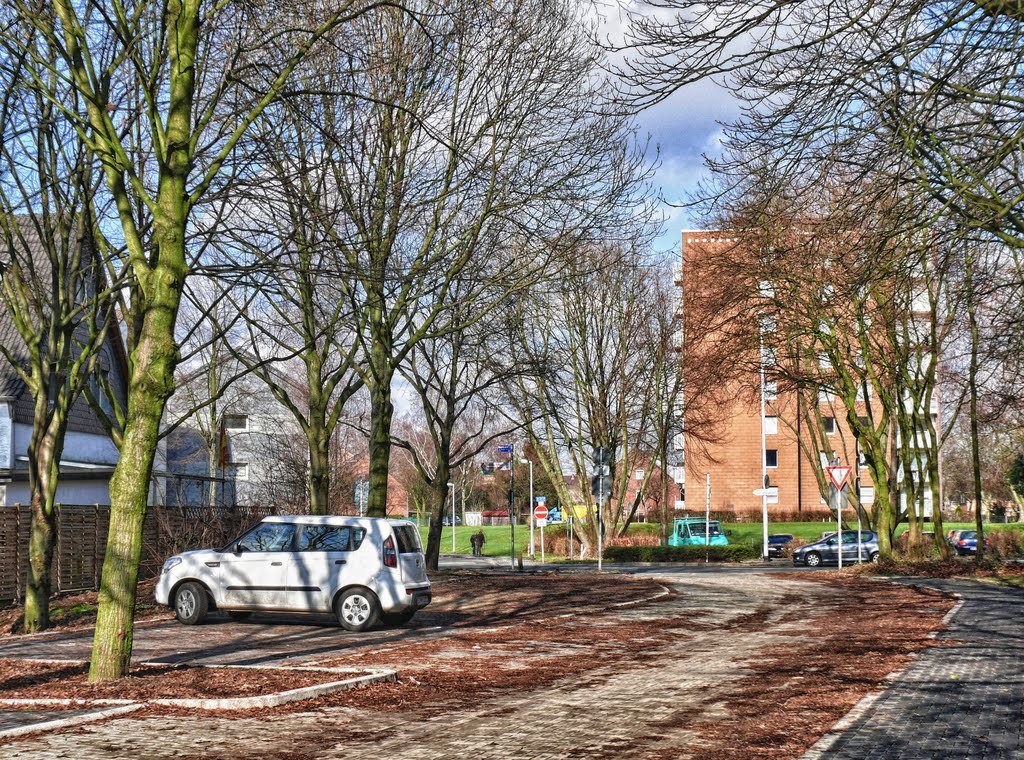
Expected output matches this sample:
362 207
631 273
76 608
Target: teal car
689 531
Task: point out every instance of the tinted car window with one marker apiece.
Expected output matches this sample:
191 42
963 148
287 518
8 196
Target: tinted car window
408 539
268 537
325 538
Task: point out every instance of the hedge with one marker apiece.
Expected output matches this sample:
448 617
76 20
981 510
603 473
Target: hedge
731 553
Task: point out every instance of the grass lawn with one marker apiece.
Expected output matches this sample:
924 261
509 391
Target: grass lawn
497 539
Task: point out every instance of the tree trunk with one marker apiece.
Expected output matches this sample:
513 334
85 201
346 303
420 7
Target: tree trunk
151 383
44 451
973 383
319 469
381 411
40 552
129 491
439 489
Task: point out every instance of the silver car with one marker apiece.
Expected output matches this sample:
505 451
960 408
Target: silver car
826 551
365 570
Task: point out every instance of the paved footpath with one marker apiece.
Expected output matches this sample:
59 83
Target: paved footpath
965 700
962 700
610 712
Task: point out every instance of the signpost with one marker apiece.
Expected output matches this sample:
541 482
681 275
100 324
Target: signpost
540 514
839 474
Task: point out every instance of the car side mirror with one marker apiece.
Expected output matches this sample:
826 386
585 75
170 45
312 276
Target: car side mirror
237 549
831 542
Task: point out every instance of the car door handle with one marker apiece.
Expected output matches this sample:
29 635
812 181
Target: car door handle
275 564
339 562
213 564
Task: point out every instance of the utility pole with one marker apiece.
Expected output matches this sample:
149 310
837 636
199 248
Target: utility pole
509 449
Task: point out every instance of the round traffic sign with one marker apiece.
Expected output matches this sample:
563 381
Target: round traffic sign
541 512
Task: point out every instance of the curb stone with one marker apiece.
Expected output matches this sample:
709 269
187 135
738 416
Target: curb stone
74 720
114 707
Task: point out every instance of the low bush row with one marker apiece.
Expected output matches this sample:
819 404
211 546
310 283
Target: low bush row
731 553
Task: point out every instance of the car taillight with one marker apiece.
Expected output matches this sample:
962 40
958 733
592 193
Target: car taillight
390 555
963 542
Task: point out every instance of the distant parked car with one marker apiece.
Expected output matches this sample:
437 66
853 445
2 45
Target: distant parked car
689 531
967 542
826 551
448 520
777 544
953 536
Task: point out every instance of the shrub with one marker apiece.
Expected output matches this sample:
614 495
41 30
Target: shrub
731 553
634 539
1005 543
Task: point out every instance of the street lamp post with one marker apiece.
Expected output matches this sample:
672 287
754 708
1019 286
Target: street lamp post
451 489
530 462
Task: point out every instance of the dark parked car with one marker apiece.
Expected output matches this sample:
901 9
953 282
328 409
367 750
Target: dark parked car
777 544
826 551
448 520
967 542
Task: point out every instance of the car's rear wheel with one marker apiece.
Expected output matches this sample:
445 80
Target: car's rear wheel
813 559
874 556
394 619
357 610
191 603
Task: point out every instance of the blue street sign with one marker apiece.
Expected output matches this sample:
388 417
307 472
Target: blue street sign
505 448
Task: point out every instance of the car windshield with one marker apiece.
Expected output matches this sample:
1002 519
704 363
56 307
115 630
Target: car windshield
697 529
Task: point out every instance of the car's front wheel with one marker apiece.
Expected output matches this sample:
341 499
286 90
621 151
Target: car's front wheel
813 559
357 610
874 556
191 604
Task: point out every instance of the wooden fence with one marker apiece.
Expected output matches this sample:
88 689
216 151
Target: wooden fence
82 540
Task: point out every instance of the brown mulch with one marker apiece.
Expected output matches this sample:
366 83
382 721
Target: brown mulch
788 698
954 567
34 680
79 611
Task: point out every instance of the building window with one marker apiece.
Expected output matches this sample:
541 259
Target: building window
864 392
830 425
771 425
771 390
771 458
97 387
236 422
237 471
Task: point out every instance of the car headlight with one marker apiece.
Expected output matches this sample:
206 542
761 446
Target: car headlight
172 562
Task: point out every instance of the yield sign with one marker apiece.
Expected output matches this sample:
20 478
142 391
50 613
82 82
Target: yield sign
838 475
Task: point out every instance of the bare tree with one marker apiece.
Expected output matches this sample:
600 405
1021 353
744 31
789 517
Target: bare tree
56 293
166 90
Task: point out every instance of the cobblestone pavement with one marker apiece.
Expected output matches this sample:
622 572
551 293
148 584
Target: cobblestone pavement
638 711
965 700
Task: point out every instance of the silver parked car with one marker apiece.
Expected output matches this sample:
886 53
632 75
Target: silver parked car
826 551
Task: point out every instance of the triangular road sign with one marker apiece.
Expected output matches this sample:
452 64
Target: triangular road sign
838 475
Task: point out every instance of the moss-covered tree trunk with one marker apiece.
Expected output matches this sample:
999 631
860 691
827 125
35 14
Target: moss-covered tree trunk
439 500
45 446
319 466
381 373
381 412
151 383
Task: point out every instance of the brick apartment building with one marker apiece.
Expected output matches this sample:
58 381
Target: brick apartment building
793 458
